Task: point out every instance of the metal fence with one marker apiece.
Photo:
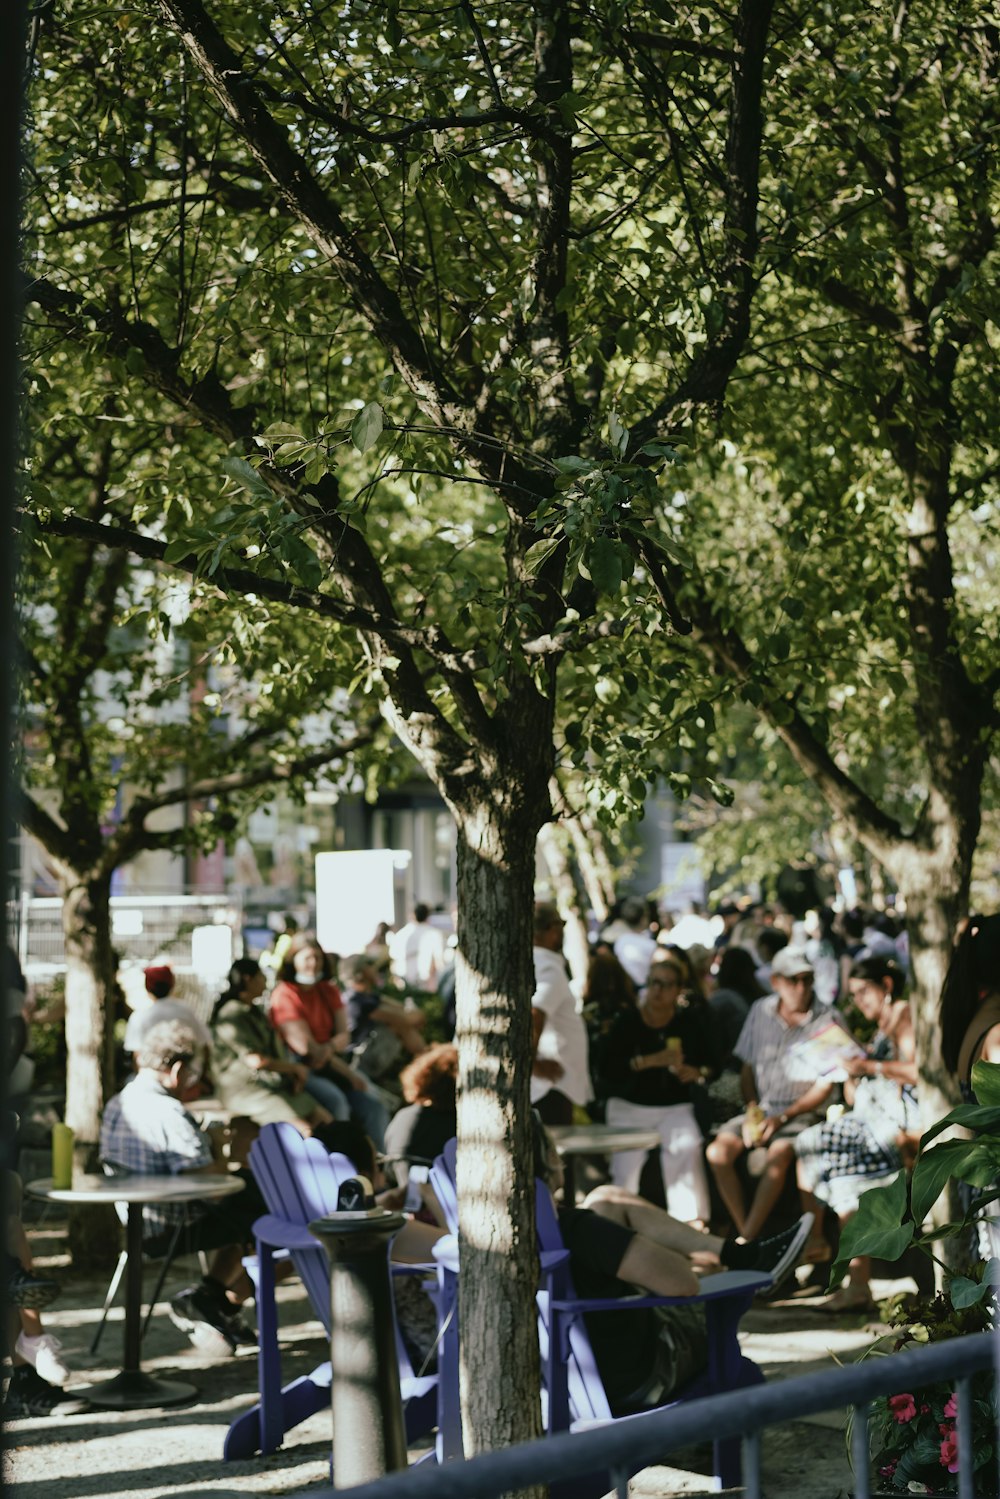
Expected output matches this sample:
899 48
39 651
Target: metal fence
623 1447
145 929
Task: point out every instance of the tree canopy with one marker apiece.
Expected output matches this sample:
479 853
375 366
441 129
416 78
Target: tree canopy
584 366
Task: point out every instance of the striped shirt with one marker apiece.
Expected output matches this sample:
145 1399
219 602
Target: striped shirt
768 1045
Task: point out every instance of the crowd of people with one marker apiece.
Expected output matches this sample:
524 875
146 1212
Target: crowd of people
773 1061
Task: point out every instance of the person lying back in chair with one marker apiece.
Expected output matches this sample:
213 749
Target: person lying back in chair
619 1243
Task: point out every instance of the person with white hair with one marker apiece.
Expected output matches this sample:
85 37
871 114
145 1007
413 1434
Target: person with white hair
146 1131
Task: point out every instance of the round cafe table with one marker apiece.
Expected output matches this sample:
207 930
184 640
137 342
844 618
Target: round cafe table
572 1140
131 1389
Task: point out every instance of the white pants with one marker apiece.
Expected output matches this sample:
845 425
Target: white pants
681 1156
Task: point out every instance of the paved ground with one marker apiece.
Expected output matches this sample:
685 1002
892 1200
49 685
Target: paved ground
178 1454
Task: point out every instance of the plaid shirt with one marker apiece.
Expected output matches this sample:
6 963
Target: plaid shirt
767 1044
147 1132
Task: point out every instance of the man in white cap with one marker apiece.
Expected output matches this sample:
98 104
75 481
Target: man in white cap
780 1086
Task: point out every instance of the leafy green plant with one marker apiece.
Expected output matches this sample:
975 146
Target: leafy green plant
914 1444
890 1218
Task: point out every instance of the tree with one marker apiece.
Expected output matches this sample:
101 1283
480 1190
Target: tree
123 728
447 225
846 521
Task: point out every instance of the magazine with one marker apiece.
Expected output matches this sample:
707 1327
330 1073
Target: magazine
824 1051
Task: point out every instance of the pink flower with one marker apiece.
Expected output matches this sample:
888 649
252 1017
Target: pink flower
951 1407
903 1408
949 1454
888 1470
924 1410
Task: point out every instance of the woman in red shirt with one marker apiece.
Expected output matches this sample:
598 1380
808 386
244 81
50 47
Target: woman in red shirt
307 1009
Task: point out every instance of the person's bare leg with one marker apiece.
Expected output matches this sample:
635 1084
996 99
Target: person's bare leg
226 1267
653 1223
662 1272
722 1155
414 1243
817 1248
780 1154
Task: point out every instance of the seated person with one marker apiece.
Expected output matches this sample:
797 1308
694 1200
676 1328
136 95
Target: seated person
383 1032
147 1131
650 1064
619 1243
308 1010
420 1131
250 1070
839 1159
38 1369
160 984
783 1084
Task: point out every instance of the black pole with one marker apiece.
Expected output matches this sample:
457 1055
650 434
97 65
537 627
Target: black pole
369 1436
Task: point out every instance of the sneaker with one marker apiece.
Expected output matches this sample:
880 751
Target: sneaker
779 1254
29 1395
26 1289
243 1331
209 1322
44 1353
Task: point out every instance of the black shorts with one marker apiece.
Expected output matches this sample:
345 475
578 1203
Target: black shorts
229 1220
596 1245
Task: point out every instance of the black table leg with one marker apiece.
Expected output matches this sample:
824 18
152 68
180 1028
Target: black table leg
132 1389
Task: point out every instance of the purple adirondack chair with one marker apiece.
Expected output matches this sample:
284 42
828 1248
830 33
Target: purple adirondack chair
299 1181
574 1394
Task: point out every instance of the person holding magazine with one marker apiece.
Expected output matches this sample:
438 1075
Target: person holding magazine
839 1159
783 1087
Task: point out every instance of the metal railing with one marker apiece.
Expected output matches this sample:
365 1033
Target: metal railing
621 1448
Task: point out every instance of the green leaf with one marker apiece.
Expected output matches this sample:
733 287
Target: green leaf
367 426
247 477
969 1160
969 1116
605 565
965 1292
537 555
877 1227
617 435
302 560
986 1082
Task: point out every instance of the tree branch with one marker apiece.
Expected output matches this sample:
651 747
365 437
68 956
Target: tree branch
54 838
298 189
709 372
132 836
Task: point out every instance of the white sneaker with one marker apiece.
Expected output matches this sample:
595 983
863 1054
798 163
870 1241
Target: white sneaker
44 1353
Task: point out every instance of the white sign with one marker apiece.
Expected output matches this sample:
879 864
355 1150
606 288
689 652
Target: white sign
354 892
211 952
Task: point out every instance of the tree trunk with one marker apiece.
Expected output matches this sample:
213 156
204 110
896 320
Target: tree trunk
495 1172
552 841
596 869
91 989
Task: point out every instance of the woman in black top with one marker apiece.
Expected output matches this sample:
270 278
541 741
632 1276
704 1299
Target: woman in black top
652 1061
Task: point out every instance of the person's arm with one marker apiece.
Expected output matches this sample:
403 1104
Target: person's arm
811 1100
546 1067
748 1083
341 1038
260 1062
405 1024
300 1039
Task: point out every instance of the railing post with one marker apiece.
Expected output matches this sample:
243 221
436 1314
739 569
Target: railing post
751 1464
369 1436
861 1455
